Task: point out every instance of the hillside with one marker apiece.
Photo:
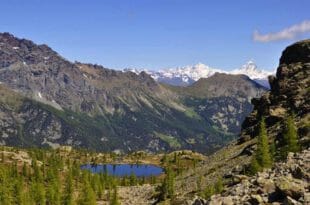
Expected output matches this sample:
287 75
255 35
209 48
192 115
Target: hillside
288 97
89 106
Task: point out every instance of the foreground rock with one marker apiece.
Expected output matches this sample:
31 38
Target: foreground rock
286 183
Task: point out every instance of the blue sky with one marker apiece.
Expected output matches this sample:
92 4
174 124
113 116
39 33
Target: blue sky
157 34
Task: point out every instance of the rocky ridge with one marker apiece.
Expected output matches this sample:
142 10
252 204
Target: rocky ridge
287 183
289 94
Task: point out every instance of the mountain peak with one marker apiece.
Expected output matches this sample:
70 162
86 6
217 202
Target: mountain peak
249 66
250 69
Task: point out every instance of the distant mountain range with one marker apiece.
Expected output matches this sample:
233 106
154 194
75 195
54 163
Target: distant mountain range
184 76
47 100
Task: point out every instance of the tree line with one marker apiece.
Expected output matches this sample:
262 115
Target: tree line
51 179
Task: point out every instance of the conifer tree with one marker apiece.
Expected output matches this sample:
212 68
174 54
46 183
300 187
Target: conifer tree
19 192
171 179
5 188
263 154
25 170
68 192
88 196
115 200
167 187
254 166
262 158
132 179
290 138
38 192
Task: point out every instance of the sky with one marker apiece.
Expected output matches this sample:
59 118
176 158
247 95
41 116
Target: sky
158 34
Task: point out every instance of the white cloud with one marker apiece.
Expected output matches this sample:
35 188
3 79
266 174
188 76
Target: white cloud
287 33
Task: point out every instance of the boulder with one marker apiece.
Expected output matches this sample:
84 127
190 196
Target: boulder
290 187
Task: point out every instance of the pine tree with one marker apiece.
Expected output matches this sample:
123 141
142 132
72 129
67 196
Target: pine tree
263 155
115 200
263 158
38 192
88 196
132 179
171 184
37 175
290 138
272 149
254 166
68 195
19 192
167 187
25 170
5 187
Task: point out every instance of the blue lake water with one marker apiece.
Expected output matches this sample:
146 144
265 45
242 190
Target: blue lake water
121 170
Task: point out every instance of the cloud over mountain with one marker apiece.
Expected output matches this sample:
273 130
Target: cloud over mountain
286 33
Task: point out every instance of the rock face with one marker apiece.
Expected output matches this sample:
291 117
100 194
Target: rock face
289 94
89 106
286 183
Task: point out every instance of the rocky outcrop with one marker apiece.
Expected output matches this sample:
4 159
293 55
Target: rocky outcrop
286 183
289 94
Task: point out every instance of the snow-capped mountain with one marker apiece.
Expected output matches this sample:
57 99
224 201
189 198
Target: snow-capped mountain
193 72
250 69
183 76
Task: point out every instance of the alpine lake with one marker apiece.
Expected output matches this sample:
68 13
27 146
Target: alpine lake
122 170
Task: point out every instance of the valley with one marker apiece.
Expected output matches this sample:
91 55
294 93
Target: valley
267 164
89 106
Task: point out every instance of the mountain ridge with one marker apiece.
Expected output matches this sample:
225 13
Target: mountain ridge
86 105
187 75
